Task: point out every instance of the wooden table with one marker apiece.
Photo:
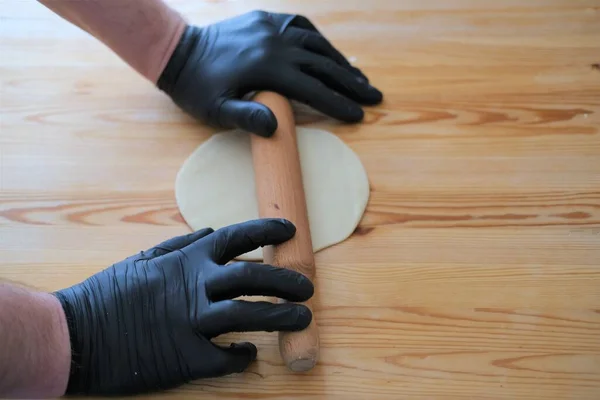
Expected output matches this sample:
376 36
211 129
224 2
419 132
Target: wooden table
475 272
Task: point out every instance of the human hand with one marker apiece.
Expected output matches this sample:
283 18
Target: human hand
146 323
214 67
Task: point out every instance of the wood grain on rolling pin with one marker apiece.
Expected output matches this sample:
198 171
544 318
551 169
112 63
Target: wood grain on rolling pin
474 273
280 194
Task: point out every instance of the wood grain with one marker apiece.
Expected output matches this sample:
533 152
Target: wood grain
475 272
280 194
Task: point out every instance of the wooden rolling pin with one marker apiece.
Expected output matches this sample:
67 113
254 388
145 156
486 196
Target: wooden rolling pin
280 193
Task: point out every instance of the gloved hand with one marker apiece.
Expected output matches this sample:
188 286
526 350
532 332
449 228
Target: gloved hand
213 67
146 323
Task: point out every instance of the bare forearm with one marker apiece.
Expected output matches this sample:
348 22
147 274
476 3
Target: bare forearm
35 356
143 33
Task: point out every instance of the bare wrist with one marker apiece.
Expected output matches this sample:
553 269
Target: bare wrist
34 343
165 49
61 359
142 33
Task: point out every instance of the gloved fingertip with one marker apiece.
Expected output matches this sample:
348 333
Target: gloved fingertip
263 122
359 74
306 286
354 114
289 226
200 233
303 318
248 347
374 95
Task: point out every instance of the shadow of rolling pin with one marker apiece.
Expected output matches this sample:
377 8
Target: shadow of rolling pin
280 192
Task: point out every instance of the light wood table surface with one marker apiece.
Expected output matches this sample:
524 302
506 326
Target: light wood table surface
475 272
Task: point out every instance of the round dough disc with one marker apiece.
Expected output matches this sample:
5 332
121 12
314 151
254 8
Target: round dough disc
215 185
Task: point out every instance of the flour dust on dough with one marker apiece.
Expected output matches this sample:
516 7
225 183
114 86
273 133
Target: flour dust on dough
215 185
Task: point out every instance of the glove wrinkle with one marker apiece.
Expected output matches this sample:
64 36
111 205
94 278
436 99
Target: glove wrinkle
255 51
147 324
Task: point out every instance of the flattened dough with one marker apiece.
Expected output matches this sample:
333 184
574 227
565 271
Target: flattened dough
215 185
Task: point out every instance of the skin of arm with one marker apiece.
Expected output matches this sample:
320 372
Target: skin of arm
144 34
35 356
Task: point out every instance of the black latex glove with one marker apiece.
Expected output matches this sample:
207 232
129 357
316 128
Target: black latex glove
213 67
146 323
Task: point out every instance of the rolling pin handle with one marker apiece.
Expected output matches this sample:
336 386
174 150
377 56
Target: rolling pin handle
278 180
